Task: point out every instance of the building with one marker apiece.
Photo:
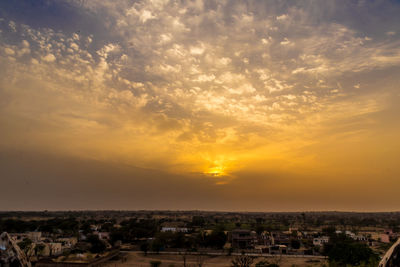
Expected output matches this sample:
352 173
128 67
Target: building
243 239
392 256
103 235
320 241
175 229
384 238
35 236
67 242
278 249
278 238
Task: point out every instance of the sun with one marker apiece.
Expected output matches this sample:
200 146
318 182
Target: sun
216 171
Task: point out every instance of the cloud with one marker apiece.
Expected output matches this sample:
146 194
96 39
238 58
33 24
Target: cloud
49 58
179 85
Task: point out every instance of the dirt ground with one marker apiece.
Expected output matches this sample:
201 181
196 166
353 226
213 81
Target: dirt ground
140 260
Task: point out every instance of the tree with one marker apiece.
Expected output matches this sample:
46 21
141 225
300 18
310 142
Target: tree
260 228
144 247
157 245
200 259
97 246
242 261
217 238
342 250
25 244
198 221
294 243
116 236
39 249
155 263
330 230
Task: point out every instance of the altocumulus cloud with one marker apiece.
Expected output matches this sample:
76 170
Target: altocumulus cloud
219 90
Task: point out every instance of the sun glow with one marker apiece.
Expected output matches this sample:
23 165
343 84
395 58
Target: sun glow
216 171
218 168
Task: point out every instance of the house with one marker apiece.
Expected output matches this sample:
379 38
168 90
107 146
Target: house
103 235
67 242
243 239
278 249
384 238
35 236
360 238
55 248
264 239
320 241
47 249
280 239
175 229
350 234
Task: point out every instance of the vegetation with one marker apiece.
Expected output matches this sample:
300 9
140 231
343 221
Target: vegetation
205 231
155 263
97 246
342 250
25 244
242 261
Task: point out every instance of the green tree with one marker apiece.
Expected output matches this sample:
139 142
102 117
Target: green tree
295 243
342 250
97 246
25 244
217 238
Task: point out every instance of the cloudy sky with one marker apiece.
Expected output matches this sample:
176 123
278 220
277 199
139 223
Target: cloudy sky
215 105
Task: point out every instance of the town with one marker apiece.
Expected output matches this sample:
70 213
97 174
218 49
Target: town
91 238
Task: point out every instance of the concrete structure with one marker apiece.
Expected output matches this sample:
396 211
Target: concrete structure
392 256
67 242
35 236
278 238
384 238
54 249
10 253
278 249
243 239
175 229
320 241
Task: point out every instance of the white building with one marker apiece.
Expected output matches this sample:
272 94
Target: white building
320 241
175 229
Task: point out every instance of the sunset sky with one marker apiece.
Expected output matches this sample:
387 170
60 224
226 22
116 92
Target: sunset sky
212 105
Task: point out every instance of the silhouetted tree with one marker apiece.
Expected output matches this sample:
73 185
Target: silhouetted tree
242 261
97 246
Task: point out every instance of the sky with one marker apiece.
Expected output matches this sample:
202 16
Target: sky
208 105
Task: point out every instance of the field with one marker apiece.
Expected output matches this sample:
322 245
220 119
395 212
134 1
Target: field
140 260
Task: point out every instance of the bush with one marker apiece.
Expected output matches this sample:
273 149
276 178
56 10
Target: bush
155 263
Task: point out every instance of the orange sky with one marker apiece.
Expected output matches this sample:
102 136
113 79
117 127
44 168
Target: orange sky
218 105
